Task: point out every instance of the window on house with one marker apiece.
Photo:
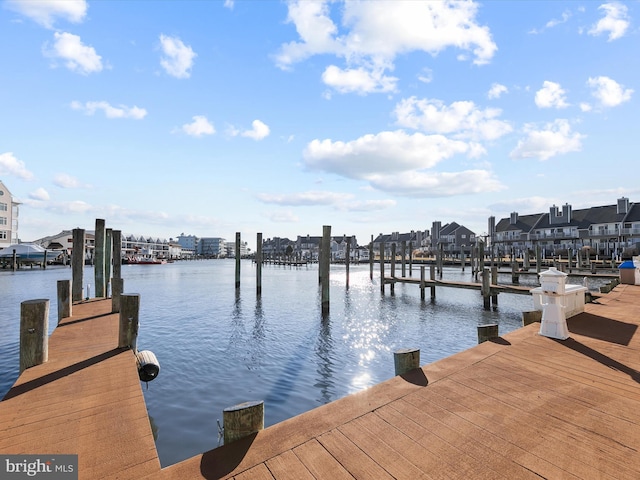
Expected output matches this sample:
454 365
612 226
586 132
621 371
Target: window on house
3 207
3 220
3 234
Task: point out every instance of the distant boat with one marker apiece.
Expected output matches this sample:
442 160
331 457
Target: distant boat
136 260
28 253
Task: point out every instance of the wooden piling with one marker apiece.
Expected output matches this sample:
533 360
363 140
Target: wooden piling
117 288
432 277
325 266
392 287
381 267
129 318
494 281
371 259
77 264
515 277
422 284
346 260
531 317
487 332
34 333
237 260
259 264
44 260
242 420
486 289
406 359
14 261
538 259
410 258
108 258
99 258
64 299
403 258
116 236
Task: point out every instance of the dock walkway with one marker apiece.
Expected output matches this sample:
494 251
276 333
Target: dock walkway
519 407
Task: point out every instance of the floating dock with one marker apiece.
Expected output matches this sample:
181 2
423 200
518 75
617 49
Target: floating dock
522 406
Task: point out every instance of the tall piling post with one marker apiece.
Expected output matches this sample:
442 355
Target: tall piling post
347 259
538 259
129 320
371 259
410 258
77 265
64 299
381 256
34 333
494 281
392 287
108 259
325 266
259 264
486 289
98 258
117 289
403 258
237 260
116 236
432 277
14 261
422 283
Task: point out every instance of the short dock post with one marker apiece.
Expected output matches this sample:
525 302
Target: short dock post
421 282
99 258
14 261
406 359
242 420
531 317
117 287
382 267
237 253
34 333
487 332
515 277
77 264
259 264
486 289
410 258
64 299
325 266
129 317
392 288
44 261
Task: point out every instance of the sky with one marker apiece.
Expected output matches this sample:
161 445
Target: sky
209 118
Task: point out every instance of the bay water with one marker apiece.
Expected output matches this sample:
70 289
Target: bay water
218 346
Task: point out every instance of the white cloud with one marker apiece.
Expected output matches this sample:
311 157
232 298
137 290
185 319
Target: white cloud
566 15
229 4
259 130
366 205
615 21
280 216
199 127
524 206
551 95
385 152
426 76
463 118
309 198
40 194
121 111
10 165
497 90
585 107
178 57
609 92
554 139
76 56
64 180
45 13
434 184
375 33
358 80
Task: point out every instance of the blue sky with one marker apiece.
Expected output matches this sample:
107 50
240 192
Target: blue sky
212 117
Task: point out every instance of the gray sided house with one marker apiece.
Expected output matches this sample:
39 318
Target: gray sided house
455 238
414 238
607 231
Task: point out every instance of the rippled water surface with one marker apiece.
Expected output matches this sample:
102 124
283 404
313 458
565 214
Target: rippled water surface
218 347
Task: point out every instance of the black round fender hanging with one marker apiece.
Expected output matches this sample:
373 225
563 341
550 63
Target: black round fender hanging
148 365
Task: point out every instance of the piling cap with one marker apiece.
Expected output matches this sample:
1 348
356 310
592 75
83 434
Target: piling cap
627 264
552 272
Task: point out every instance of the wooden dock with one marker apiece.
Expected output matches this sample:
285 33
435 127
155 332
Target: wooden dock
495 288
520 407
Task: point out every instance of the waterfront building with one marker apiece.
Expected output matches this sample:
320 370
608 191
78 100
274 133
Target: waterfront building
8 217
416 238
276 246
609 231
455 238
230 248
211 247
